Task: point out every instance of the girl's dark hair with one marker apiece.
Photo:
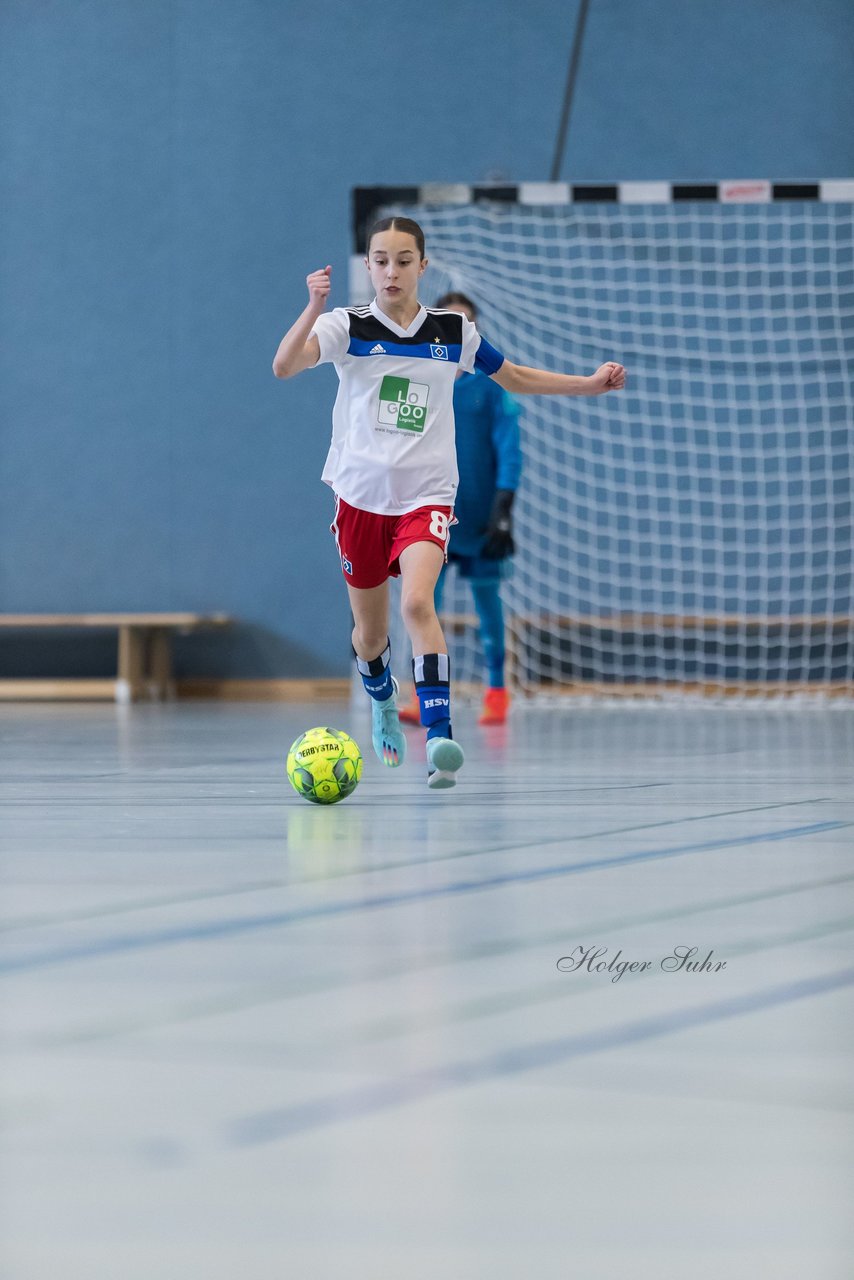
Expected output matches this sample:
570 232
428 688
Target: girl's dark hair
398 224
454 299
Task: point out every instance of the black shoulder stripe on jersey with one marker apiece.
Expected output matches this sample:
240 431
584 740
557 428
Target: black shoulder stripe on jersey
445 327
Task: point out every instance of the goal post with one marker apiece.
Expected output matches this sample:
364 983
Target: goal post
693 532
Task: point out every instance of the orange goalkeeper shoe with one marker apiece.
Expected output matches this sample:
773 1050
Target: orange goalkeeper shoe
495 705
410 714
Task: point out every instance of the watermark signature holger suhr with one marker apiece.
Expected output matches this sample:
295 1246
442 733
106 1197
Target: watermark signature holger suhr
680 960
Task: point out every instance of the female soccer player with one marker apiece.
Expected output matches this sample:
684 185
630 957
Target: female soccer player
392 464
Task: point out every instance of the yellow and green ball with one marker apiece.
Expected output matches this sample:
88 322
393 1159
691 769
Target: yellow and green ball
324 765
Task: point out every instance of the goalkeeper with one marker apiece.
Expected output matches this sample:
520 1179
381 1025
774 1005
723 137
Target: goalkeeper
489 459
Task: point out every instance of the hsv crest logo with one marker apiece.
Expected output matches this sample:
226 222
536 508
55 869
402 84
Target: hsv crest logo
438 352
403 403
347 565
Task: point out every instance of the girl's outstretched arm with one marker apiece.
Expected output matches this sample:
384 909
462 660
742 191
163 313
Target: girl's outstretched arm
298 350
520 380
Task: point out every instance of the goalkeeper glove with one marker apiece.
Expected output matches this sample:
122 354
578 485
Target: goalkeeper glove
498 539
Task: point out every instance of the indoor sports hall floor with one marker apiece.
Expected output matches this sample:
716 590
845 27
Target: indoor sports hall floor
250 1038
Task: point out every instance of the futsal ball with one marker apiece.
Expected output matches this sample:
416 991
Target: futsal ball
324 765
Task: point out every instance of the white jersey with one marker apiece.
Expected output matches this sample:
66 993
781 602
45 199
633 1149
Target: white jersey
393 447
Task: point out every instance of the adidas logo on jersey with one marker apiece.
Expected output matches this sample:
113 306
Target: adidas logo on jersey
378 350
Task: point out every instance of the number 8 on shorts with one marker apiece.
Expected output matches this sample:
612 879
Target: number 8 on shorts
440 525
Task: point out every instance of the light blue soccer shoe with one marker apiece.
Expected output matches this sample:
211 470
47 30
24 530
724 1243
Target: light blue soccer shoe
444 758
386 733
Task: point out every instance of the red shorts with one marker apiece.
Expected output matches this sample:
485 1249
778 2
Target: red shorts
370 545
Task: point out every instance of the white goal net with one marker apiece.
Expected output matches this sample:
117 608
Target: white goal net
695 530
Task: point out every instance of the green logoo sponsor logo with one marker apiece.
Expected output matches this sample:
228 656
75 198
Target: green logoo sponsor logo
403 403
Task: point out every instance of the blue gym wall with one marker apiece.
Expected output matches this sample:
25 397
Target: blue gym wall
172 169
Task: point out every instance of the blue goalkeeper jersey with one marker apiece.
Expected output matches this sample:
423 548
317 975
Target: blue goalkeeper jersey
489 456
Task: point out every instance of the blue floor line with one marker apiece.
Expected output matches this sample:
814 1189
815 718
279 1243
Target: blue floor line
231 927
285 1122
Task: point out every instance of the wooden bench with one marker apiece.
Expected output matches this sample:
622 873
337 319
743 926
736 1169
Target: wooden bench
144 667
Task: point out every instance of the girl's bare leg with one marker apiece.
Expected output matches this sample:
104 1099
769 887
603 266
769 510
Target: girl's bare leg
420 566
370 615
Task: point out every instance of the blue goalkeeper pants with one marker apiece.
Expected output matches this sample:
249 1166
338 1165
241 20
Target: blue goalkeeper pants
490 615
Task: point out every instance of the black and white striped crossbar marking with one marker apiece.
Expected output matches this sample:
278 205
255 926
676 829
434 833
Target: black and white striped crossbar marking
367 200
